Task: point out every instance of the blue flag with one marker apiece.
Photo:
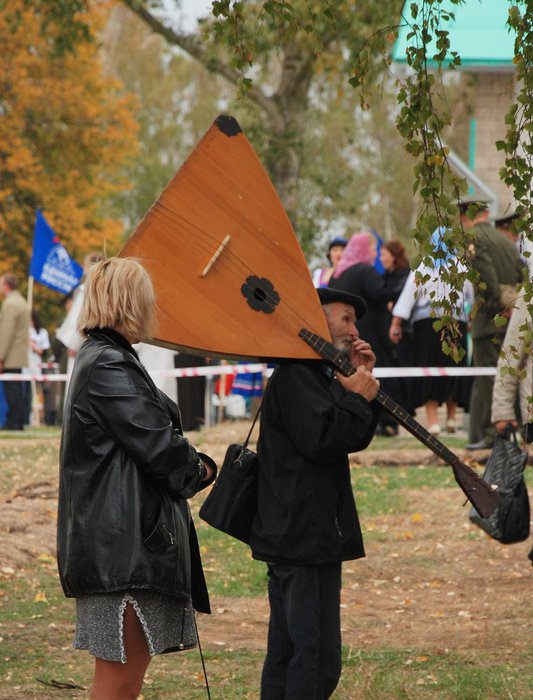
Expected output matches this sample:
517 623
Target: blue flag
50 264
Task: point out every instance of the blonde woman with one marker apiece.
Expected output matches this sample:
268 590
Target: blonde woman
127 550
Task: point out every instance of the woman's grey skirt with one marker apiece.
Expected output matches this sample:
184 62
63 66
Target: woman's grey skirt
168 623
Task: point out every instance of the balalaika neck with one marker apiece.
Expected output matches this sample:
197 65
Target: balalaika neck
481 494
328 351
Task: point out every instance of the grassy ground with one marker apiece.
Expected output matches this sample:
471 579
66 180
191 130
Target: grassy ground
477 644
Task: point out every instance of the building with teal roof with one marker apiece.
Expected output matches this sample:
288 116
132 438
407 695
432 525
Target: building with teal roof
485 43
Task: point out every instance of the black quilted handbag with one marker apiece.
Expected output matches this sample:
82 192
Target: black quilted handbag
509 522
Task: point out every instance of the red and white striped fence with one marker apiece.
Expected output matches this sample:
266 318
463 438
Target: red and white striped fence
217 370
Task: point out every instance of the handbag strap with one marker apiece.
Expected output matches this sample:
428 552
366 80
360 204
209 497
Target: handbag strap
245 443
509 433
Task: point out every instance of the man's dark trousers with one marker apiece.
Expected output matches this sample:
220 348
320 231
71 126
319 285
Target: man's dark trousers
303 660
14 395
486 352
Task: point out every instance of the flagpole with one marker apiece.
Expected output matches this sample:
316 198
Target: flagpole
30 292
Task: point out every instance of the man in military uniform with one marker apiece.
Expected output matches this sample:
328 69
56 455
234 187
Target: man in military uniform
500 270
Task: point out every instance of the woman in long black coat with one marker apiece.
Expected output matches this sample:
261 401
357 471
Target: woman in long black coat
355 274
396 271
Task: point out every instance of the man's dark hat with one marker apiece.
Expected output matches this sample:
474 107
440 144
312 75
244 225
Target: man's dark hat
339 240
467 200
328 296
506 220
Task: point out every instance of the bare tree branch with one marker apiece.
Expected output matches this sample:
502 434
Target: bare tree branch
191 45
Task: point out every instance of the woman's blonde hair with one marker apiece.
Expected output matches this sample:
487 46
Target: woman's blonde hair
118 294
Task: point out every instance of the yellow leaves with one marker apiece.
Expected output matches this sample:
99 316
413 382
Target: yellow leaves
46 558
65 132
416 519
40 597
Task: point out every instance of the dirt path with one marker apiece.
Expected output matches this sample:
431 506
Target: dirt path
430 580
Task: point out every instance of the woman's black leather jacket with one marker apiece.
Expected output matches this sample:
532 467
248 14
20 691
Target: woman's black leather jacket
125 474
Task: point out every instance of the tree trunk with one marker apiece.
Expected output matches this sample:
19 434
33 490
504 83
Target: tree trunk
284 111
286 140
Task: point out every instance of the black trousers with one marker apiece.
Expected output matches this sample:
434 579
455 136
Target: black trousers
303 660
15 399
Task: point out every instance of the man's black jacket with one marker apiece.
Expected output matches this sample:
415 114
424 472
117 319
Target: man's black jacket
309 424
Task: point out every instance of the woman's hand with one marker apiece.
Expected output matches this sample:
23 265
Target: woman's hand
395 331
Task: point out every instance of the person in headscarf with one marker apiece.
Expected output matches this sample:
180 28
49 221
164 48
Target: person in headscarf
355 273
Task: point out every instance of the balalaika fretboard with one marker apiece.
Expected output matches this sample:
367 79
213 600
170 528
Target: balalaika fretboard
481 494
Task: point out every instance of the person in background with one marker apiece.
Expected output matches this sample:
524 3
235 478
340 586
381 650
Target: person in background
396 271
378 265
516 355
191 392
395 267
126 545
355 274
39 342
322 275
67 333
306 523
39 345
159 362
14 334
249 385
57 390
414 303
504 224
498 264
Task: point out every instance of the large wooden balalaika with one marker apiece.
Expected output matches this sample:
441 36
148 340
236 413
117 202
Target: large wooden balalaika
231 279
230 276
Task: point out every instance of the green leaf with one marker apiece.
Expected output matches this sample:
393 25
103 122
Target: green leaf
500 321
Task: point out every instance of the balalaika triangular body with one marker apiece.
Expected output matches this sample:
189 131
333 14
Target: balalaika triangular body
230 277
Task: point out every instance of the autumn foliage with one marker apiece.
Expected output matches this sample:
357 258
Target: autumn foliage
66 131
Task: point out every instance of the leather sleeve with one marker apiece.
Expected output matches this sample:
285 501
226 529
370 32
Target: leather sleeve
127 410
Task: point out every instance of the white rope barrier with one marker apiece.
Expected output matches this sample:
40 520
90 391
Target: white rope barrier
217 370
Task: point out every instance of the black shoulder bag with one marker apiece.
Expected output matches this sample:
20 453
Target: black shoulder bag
232 502
509 522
